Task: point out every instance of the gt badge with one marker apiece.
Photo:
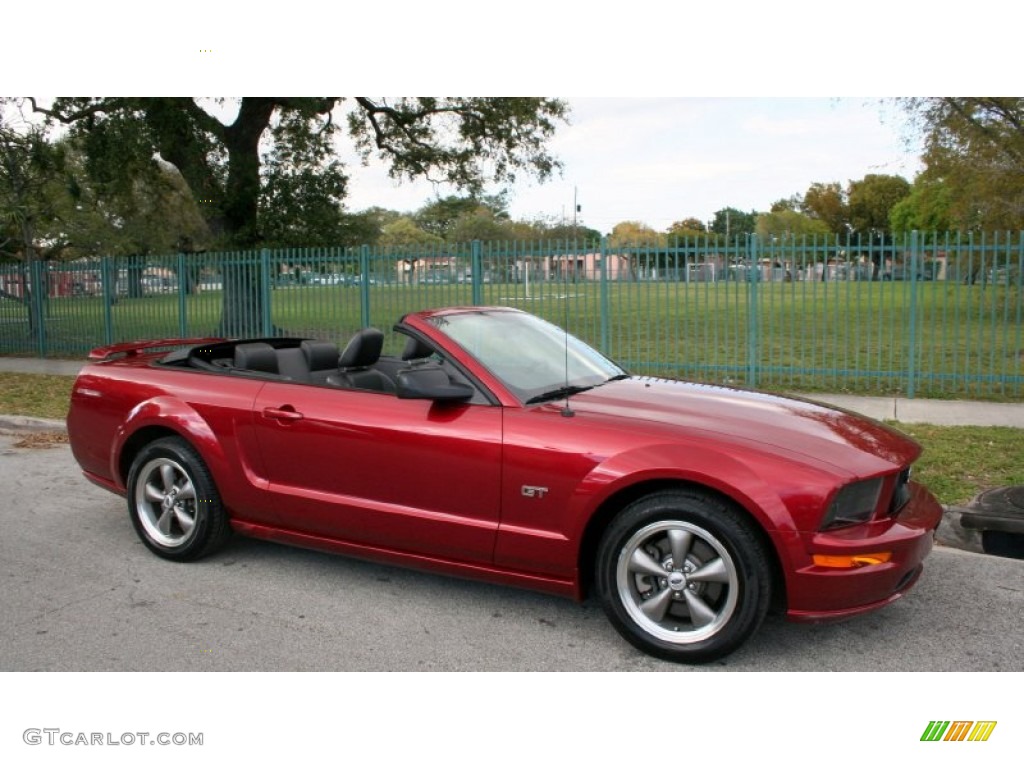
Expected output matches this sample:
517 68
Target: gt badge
534 491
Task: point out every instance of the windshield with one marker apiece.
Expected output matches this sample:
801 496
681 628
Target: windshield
531 356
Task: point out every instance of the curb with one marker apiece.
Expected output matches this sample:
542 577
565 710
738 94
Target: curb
951 533
31 424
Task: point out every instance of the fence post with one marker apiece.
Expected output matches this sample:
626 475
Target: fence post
182 291
604 296
912 340
268 320
109 282
39 284
753 329
476 271
364 285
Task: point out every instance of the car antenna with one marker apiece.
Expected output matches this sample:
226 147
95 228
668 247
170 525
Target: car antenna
567 411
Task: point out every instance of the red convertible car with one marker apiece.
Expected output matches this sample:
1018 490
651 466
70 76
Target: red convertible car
500 447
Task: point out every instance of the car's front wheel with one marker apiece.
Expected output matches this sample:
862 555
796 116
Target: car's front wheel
683 576
173 502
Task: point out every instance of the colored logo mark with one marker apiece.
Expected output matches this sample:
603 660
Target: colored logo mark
958 730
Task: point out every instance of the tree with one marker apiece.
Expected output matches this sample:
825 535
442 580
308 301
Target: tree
556 228
827 203
440 216
282 149
872 199
31 172
789 225
733 223
480 224
403 233
57 210
974 149
791 203
634 234
927 208
365 227
689 228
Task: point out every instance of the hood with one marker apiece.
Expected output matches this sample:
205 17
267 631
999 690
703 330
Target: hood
847 441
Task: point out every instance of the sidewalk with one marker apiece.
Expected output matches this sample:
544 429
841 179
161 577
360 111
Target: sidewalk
956 413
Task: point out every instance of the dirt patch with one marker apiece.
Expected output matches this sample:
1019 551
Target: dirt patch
42 440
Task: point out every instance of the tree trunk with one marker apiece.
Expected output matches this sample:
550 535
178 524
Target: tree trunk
243 309
189 278
136 266
33 293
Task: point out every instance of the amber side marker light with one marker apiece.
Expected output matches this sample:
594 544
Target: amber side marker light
852 561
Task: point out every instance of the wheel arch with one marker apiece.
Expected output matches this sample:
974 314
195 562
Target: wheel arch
136 442
164 417
608 509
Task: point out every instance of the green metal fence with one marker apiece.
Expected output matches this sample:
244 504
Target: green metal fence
921 315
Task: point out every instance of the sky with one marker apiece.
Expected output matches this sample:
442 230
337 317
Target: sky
662 159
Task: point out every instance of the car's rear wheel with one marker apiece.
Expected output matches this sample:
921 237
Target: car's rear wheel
173 502
683 576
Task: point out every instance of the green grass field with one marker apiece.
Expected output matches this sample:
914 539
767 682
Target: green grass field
964 341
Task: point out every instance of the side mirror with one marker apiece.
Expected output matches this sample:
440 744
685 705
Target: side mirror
430 384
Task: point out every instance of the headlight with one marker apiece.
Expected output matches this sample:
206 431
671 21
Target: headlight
855 503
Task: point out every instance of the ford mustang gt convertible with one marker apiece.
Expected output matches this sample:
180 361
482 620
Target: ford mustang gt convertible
497 446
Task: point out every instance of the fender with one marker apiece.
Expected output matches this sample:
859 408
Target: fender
779 515
674 463
169 412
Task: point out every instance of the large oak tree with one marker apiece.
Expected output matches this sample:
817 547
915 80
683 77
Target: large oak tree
247 160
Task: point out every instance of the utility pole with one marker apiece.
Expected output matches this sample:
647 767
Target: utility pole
576 210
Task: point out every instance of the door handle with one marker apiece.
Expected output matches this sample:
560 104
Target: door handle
284 413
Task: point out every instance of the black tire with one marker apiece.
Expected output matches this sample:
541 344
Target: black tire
694 613
173 502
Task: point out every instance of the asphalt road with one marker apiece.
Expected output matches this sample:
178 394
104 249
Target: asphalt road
80 592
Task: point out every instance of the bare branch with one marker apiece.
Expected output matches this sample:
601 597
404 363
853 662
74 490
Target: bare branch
106 105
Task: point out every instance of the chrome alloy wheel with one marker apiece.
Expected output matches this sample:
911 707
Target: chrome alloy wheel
165 499
677 581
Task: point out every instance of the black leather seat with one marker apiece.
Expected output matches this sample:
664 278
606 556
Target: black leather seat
292 363
256 356
354 365
416 350
321 359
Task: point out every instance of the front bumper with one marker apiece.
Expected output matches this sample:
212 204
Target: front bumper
817 593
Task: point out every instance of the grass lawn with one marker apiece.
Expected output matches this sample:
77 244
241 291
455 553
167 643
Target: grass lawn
958 462
961 462
28 394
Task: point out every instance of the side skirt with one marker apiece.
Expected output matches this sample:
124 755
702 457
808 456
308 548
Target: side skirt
562 587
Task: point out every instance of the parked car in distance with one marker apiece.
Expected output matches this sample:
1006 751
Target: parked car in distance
498 446
926 272
435 278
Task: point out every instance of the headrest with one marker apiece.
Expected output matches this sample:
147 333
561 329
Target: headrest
256 356
363 350
320 355
416 349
